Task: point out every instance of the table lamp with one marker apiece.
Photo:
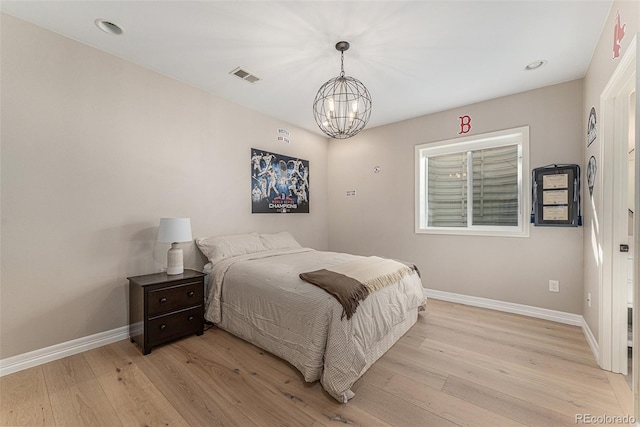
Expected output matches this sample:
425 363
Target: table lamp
174 231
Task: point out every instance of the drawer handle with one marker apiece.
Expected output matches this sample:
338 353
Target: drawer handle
190 317
163 300
163 326
191 293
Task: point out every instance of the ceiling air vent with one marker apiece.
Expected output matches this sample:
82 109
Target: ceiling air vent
245 75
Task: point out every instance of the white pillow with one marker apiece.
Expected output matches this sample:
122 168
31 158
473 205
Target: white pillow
282 240
220 247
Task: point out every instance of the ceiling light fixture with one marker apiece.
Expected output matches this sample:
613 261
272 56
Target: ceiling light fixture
535 65
343 104
109 27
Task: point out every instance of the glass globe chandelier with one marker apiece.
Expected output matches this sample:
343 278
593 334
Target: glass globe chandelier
343 104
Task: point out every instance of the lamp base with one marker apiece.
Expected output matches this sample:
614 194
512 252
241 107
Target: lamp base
174 260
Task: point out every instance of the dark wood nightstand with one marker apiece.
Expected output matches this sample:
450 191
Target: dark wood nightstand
165 307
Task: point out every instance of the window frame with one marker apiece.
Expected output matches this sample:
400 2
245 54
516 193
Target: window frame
515 136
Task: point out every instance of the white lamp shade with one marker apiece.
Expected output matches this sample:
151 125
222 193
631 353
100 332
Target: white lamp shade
174 230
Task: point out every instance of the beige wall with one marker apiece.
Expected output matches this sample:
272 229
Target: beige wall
380 219
94 151
600 71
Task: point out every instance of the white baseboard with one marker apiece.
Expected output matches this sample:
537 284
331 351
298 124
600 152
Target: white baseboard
509 307
58 351
591 340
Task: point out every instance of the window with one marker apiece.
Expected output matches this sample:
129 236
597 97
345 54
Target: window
474 185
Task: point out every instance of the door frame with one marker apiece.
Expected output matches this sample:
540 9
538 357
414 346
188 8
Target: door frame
612 336
636 250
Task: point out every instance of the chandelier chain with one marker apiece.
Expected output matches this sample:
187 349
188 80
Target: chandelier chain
342 63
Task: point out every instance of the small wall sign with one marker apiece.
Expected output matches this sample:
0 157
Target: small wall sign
283 135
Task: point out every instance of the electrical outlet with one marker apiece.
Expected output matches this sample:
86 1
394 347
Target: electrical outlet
554 286
589 299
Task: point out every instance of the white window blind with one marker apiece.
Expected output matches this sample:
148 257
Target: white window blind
495 186
447 177
473 185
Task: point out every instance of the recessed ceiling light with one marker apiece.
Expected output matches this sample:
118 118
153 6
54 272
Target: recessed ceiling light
109 27
535 65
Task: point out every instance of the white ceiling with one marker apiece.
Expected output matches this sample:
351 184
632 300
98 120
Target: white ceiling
415 57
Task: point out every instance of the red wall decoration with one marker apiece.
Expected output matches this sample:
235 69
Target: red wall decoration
465 124
618 35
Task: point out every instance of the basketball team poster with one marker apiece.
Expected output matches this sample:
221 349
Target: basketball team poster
279 184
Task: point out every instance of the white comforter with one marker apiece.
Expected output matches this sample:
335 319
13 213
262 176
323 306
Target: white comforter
260 297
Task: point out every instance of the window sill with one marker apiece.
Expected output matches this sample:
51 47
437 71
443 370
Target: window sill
475 232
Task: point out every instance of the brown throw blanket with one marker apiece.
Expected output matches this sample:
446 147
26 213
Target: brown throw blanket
353 281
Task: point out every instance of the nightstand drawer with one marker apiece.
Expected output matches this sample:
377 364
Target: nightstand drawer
173 298
175 325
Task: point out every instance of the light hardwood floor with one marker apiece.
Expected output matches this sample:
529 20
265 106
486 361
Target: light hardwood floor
458 366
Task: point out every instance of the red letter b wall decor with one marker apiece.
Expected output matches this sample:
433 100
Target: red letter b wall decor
465 124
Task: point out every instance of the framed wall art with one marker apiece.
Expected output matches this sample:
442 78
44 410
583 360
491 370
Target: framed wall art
556 196
279 183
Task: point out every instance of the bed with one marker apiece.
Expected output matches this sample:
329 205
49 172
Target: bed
255 292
